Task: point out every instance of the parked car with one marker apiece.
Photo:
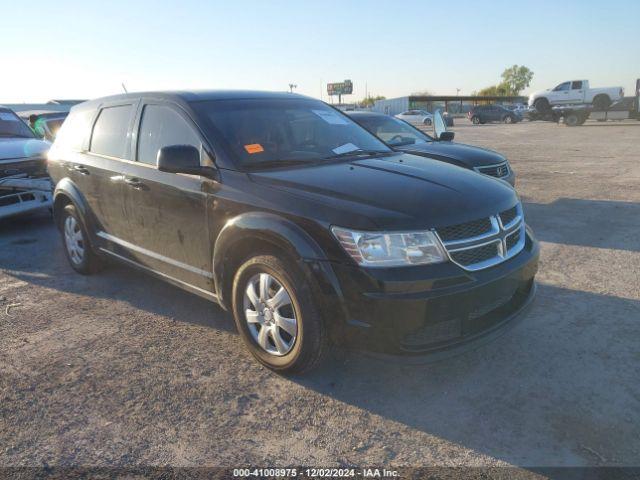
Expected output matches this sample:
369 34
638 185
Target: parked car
47 124
417 117
575 92
520 109
402 136
492 113
289 214
24 184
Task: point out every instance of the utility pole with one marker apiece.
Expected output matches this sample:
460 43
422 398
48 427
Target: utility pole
458 90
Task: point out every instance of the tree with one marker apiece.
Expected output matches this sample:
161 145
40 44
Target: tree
369 101
499 90
517 78
514 80
422 93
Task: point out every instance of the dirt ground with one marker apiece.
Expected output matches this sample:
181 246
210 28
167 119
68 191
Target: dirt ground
120 369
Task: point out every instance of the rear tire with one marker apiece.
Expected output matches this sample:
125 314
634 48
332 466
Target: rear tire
77 248
295 338
601 102
507 119
475 120
427 122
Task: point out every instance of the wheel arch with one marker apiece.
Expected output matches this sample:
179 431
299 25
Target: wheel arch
259 233
65 193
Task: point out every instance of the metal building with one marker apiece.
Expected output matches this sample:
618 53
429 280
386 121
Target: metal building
454 105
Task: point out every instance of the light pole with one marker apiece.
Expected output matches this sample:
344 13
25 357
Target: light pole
292 86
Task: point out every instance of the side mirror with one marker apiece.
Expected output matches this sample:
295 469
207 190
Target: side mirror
183 159
447 136
440 127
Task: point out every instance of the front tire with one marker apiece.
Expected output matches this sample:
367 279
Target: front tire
77 248
542 105
427 122
572 120
475 120
276 316
508 119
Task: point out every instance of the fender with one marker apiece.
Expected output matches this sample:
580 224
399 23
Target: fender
66 188
280 232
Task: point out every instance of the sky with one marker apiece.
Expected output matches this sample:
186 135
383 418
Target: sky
84 49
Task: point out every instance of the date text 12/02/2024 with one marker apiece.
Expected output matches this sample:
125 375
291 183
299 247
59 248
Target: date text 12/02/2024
315 472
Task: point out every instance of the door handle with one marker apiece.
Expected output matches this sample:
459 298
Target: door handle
134 183
80 169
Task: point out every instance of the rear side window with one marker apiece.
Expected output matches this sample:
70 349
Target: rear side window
110 131
576 85
162 126
74 130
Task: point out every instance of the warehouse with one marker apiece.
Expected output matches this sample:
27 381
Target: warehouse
452 104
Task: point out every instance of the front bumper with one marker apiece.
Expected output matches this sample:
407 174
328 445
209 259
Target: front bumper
421 309
22 196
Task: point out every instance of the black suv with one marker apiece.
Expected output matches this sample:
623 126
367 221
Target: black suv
493 113
286 212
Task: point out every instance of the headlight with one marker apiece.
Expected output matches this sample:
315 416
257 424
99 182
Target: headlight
382 249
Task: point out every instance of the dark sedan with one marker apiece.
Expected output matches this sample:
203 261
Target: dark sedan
404 137
493 113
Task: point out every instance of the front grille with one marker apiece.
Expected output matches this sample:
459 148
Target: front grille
499 170
475 255
513 239
485 242
465 230
14 198
508 215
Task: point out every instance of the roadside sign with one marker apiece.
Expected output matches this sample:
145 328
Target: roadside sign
340 88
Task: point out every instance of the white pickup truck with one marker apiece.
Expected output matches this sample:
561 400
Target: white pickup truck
573 92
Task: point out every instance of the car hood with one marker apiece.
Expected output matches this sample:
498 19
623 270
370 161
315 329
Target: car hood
18 148
458 153
398 192
538 93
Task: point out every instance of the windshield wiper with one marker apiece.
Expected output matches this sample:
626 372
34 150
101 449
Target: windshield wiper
402 144
281 163
359 151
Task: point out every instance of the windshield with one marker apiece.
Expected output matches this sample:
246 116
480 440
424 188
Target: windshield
393 131
12 126
266 132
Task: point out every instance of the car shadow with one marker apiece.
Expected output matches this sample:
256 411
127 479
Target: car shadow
558 389
31 250
611 123
589 223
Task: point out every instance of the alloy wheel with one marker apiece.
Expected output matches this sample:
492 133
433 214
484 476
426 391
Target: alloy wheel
270 314
73 239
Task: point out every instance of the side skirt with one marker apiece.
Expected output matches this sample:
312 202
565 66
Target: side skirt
163 276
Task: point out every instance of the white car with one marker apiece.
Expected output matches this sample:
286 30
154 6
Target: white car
416 117
574 92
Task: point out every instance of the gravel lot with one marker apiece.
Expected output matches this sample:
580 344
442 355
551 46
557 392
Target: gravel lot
121 369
